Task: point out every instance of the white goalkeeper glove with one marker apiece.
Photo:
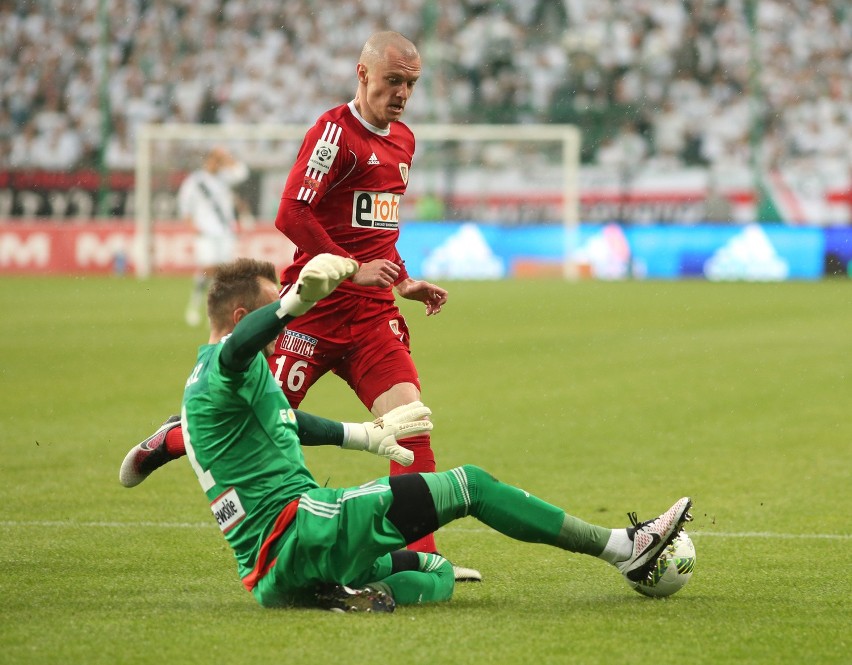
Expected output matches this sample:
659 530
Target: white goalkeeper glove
380 436
318 278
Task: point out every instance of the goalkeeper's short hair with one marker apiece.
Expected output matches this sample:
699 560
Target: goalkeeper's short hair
236 284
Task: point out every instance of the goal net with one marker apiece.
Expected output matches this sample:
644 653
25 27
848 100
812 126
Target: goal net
489 175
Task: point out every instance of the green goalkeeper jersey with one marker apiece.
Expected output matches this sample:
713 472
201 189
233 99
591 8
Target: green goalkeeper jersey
242 438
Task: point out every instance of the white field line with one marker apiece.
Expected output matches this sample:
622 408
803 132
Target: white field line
71 524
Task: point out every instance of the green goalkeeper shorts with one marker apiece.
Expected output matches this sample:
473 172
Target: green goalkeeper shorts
340 536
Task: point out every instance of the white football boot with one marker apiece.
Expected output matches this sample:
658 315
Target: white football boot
651 538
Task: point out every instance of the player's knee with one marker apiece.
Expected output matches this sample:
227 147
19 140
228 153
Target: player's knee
476 481
413 510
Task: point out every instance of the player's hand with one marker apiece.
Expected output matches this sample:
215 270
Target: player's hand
431 295
322 274
318 278
379 272
380 436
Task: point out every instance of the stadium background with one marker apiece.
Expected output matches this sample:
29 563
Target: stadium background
715 134
611 396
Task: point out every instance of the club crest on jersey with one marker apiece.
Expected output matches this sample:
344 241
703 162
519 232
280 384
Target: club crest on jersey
375 210
394 326
298 343
323 156
403 171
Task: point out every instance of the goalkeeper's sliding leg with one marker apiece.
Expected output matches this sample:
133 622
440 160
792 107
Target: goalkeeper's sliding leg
425 502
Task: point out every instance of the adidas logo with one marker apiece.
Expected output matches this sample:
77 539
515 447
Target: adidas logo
373 160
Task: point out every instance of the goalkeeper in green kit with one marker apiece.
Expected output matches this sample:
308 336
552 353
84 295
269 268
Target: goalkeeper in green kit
299 544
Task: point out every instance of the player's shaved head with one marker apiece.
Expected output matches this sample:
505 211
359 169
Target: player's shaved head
377 45
216 158
387 71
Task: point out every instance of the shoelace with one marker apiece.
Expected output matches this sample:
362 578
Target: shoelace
634 521
636 524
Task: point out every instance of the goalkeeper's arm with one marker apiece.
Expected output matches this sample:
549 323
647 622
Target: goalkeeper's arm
378 437
318 278
251 335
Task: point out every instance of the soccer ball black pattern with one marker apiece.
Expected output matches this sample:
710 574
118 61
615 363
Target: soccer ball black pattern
672 570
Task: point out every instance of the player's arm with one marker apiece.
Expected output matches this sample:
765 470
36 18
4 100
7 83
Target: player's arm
431 295
257 329
318 166
251 335
296 220
402 275
378 437
185 200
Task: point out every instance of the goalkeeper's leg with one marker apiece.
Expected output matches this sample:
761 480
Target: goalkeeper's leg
468 490
427 501
412 577
163 446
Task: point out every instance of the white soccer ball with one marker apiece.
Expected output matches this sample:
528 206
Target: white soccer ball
672 570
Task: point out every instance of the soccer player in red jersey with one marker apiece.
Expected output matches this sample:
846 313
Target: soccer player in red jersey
342 197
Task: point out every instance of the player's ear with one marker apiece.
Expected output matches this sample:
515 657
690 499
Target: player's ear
361 71
239 313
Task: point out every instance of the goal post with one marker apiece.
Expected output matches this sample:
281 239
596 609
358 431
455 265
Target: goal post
516 151
195 137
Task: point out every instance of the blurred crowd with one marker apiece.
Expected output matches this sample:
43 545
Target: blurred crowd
666 83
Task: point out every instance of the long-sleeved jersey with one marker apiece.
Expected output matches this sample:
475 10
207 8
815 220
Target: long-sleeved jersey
243 439
343 194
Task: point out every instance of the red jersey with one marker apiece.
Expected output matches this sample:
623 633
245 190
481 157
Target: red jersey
352 176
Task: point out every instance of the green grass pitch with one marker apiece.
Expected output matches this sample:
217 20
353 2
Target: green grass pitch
601 398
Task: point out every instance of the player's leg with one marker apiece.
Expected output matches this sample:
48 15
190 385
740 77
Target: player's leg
343 536
399 394
206 260
296 369
469 490
338 545
381 372
311 345
420 444
412 578
298 362
163 446
379 368
197 294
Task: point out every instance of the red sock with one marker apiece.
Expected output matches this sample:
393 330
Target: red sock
424 462
174 442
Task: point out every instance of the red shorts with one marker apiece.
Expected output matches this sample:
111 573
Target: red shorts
362 340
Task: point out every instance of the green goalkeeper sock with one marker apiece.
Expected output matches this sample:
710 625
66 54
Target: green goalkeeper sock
468 490
433 581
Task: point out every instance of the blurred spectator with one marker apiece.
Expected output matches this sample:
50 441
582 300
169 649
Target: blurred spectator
669 127
697 72
120 153
22 148
58 148
7 125
626 150
19 93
